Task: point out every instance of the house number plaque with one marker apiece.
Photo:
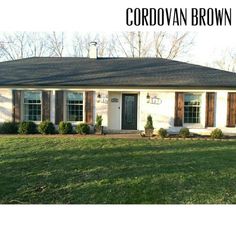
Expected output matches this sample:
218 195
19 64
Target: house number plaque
114 100
156 100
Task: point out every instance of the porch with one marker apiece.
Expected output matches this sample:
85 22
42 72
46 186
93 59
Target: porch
126 111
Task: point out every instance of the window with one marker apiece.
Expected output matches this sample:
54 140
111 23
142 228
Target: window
32 106
192 104
74 106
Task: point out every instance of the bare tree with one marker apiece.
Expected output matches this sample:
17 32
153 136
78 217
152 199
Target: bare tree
171 45
55 44
158 38
13 46
103 43
20 45
129 44
112 49
81 44
133 44
227 61
78 50
37 44
159 44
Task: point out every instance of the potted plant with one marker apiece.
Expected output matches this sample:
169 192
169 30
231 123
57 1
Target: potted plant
149 127
98 125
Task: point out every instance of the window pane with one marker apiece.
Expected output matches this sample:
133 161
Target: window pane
32 112
75 113
32 97
74 98
32 106
74 106
192 104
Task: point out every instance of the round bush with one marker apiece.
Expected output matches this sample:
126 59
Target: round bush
184 133
162 133
27 127
82 128
217 134
46 127
65 128
9 128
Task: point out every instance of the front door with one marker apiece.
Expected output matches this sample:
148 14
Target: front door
129 111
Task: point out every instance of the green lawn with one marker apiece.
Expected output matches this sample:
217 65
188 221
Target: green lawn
101 170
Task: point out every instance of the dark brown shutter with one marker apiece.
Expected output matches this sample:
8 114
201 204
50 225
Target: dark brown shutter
179 109
46 105
231 110
16 114
210 109
59 106
89 107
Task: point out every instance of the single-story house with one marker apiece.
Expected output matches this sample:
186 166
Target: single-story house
123 90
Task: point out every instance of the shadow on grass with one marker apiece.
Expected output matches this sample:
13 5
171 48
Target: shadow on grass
115 171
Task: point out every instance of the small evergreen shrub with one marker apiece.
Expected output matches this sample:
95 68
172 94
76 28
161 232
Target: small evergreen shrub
162 133
27 127
217 134
46 127
82 128
149 124
65 128
98 121
9 128
149 127
98 125
184 133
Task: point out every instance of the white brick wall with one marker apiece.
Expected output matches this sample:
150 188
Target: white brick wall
101 108
163 114
5 105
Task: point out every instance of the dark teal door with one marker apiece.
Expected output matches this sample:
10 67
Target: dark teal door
129 111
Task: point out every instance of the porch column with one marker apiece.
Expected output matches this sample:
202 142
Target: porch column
52 108
101 106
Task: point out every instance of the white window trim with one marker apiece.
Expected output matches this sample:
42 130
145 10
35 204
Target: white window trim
65 107
23 106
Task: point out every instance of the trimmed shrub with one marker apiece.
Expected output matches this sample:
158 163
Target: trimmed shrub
9 128
149 124
184 133
98 126
82 128
27 127
217 134
99 121
65 128
46 127
149 127
162 133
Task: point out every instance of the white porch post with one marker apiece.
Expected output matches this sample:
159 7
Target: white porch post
101 106
53 107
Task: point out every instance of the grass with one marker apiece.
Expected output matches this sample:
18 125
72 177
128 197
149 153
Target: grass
100 170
